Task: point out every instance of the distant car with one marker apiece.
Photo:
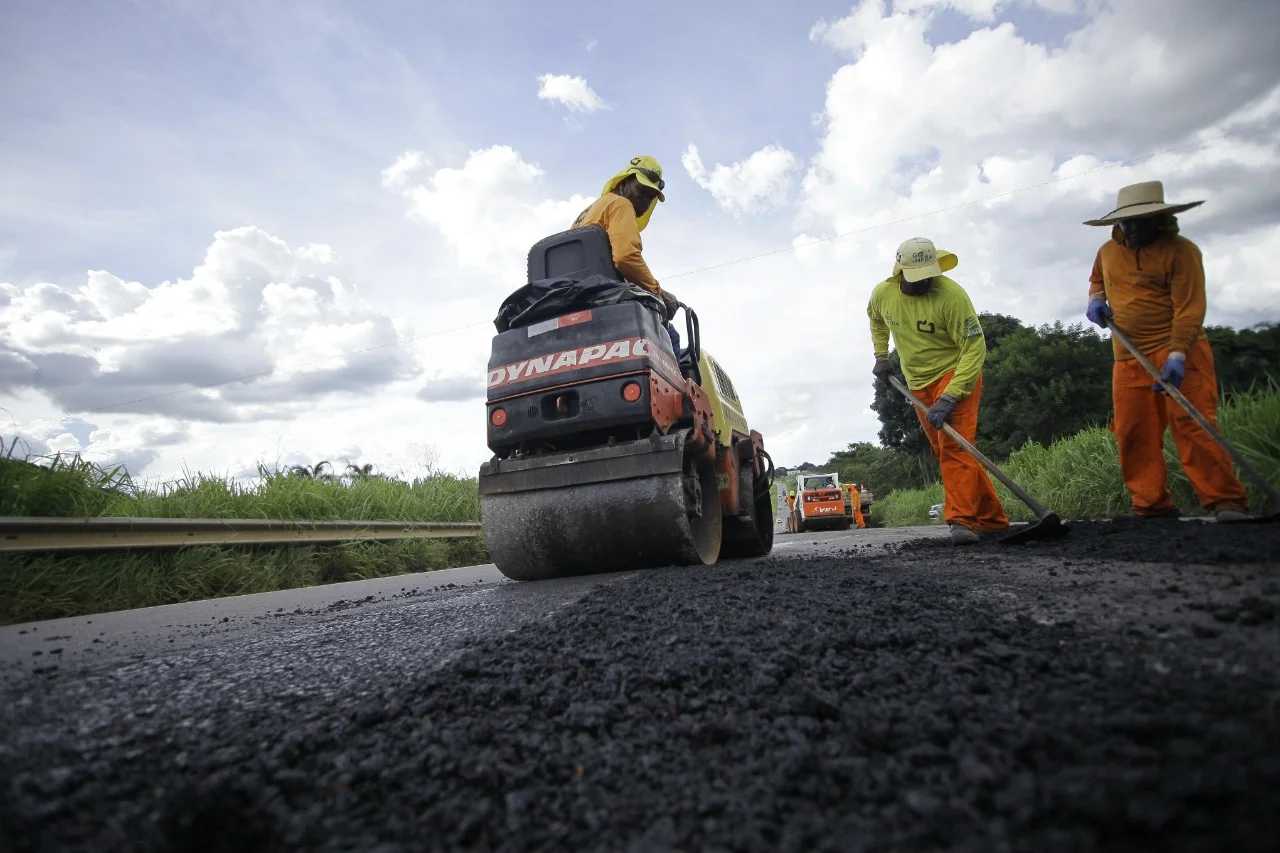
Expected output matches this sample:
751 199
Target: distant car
935 511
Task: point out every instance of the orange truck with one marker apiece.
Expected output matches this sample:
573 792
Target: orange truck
819 504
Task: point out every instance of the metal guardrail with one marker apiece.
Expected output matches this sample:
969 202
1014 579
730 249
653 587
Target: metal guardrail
21 534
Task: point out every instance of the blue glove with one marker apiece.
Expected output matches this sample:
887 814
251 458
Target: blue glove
1098 312
1173 372
940 411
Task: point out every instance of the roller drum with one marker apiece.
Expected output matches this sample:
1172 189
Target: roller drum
602 510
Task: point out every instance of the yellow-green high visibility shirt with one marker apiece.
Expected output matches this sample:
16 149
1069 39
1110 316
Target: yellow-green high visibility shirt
933 333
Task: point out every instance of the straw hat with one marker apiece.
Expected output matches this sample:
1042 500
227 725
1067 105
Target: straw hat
1141 200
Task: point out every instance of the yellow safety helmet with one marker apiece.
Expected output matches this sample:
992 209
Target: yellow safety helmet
791 493
648 171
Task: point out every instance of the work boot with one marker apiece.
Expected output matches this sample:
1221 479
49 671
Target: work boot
1171 512
1226 516
961 535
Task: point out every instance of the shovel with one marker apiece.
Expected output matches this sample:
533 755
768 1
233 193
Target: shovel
1047 526
1216 434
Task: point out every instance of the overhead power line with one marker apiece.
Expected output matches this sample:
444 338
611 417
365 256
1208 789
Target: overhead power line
742 260
958 206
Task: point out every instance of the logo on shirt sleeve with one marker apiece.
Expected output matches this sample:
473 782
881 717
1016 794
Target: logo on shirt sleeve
925 327
972 328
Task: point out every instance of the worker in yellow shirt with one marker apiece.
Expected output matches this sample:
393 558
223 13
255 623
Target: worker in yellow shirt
941 349
1150 281
623 210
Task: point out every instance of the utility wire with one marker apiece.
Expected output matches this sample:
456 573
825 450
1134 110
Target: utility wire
962 204
696 271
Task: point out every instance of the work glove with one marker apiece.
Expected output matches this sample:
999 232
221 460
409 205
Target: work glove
883 370
1098 312
940 411
671 303
1173 372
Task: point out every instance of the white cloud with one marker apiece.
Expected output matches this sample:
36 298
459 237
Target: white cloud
912 123
452 389
912 128
754 185
491 210
395 176
253 306
134 446
985 10
572 92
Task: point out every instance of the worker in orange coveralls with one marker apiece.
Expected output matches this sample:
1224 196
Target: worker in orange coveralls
941 350
1149 281
623 209
855 501
790 526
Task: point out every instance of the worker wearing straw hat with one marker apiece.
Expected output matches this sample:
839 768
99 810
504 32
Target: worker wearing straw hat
1149 280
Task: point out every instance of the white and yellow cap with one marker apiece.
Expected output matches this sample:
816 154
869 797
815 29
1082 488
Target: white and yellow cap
918 259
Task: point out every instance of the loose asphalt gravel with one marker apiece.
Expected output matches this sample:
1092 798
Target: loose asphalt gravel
1118 690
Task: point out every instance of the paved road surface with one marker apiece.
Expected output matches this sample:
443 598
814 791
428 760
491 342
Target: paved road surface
853 690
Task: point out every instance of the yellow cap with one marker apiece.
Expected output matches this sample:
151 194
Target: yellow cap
648 171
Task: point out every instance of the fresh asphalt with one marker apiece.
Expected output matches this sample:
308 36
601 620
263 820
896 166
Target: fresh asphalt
868 689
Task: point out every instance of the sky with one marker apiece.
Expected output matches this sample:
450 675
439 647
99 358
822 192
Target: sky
236 233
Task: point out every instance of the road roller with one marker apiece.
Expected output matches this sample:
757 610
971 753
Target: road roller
613 449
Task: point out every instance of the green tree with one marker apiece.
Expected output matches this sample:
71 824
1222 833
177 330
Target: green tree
899 428
881 470
1043 383
1242 358
995 327
899 425
312 472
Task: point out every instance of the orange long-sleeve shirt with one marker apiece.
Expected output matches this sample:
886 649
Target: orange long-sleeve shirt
617 217
1156 293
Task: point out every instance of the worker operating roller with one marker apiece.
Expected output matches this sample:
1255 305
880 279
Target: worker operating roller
941 350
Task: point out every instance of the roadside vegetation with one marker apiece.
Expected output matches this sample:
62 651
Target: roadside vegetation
1079 476
1046 400
1046 403
49 586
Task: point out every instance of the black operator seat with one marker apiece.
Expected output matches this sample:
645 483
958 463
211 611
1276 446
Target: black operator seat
575 254
582 252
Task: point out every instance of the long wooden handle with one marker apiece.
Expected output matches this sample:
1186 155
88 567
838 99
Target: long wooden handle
1022 494
1214 433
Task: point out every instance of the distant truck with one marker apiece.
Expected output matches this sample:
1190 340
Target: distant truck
820 503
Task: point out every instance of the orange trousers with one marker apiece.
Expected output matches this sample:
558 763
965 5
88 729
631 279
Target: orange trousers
969 497
855 503
1141 416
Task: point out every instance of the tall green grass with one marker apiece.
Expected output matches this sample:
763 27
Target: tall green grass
72 487
44 586
1079 476
51 586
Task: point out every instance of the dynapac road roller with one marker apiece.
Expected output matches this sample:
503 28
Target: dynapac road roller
611 450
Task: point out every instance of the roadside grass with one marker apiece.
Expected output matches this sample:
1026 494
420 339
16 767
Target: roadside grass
44 586
52 586
904 508
1079 476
